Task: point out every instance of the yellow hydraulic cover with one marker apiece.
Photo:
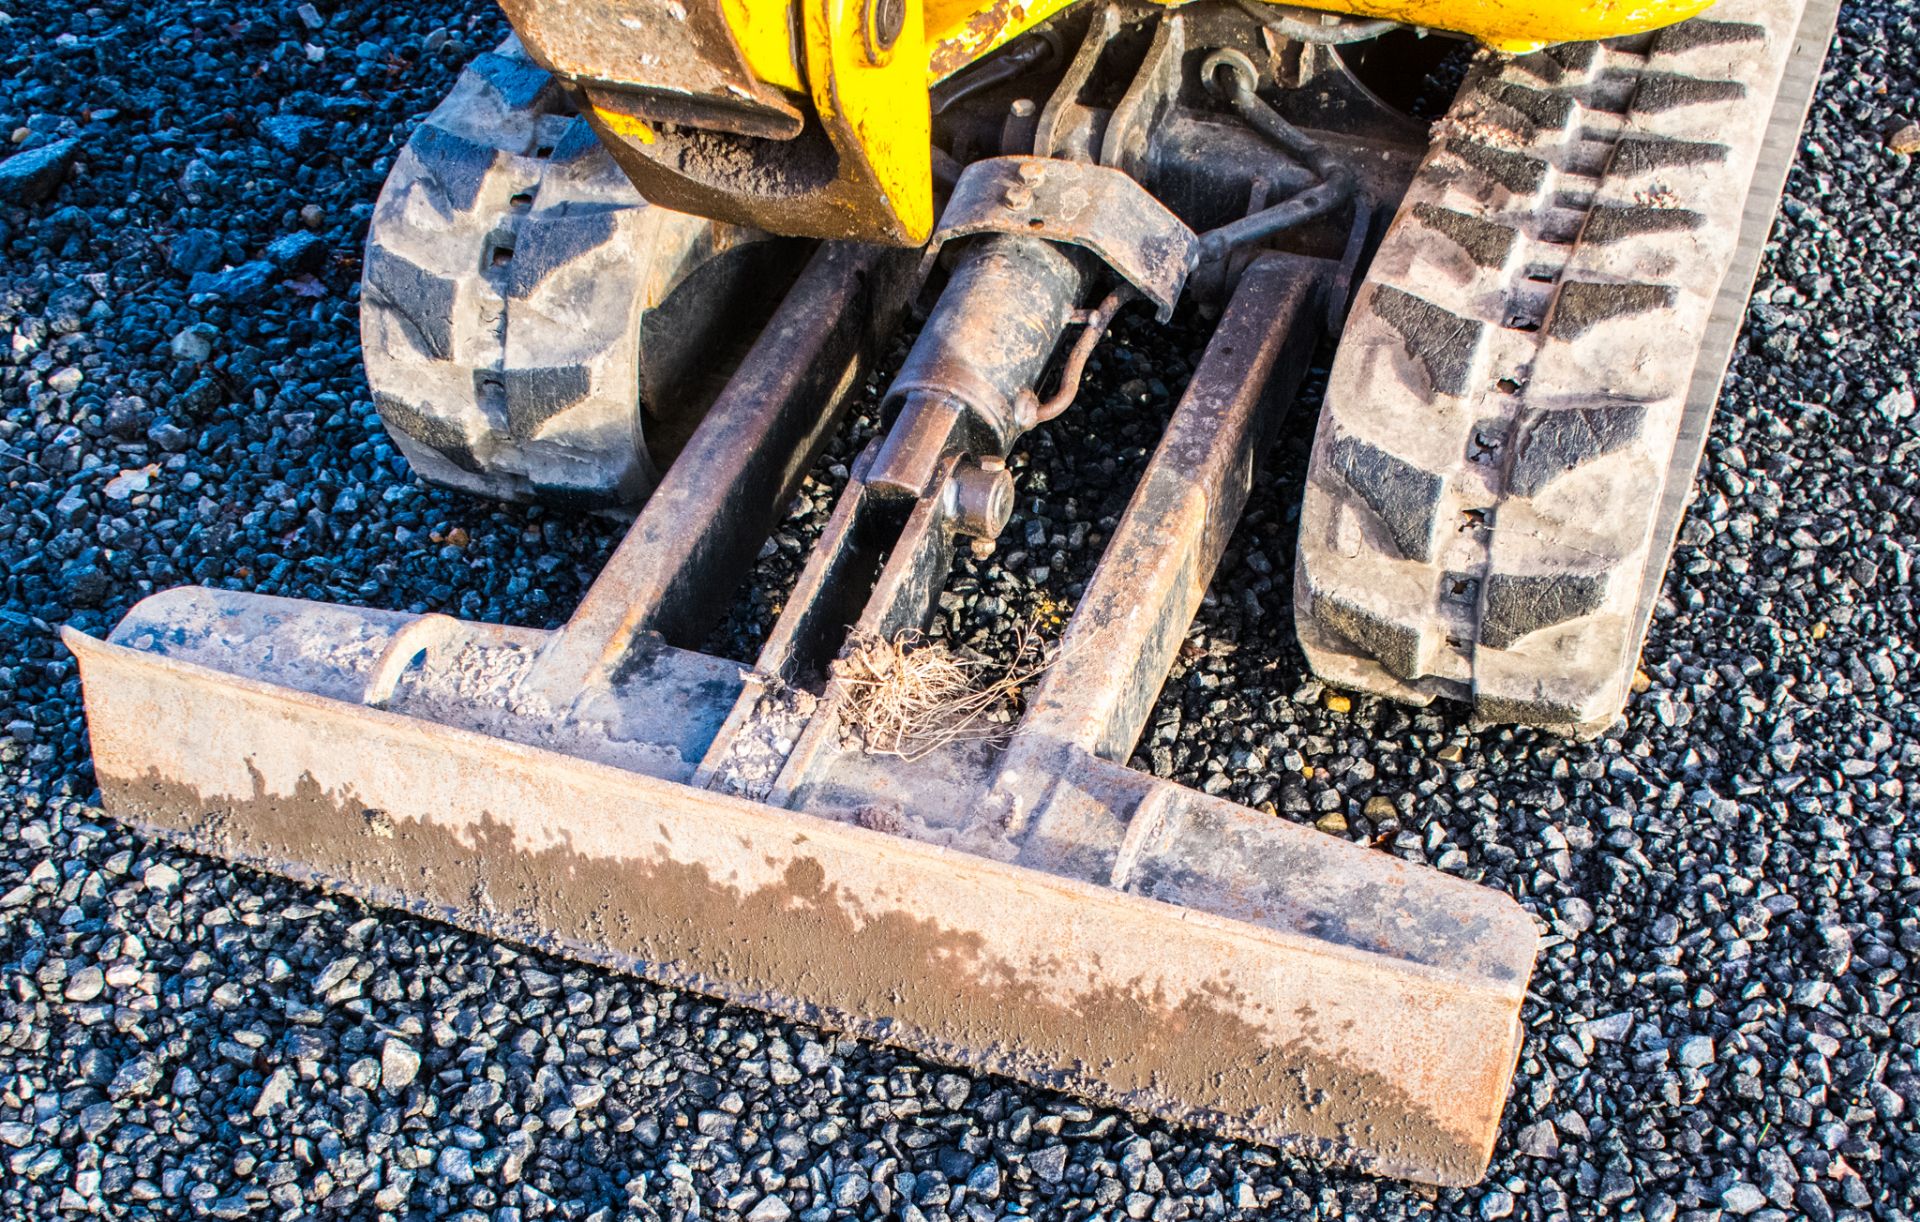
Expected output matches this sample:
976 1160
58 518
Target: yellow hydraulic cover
864 67
958 32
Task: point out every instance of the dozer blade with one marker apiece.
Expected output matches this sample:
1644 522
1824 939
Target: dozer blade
1251 976
1030 907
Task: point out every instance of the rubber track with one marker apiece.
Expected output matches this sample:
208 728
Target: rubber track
1514 412
509 267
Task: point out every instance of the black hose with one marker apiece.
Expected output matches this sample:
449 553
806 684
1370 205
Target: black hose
1335 188
1308 26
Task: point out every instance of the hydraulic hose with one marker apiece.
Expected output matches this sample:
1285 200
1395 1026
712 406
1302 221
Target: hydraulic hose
1307 26
1230 72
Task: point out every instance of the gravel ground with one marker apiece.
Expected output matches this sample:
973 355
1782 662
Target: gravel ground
1724 1022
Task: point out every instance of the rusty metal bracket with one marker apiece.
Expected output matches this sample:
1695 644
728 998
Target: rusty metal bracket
1135 611
1128 138
613 51
1094 207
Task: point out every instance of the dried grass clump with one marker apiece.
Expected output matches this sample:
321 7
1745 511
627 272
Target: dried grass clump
911 696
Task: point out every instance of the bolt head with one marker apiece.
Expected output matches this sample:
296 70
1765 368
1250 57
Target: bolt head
884 21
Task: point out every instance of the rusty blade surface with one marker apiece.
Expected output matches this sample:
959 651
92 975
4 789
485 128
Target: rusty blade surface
1133 993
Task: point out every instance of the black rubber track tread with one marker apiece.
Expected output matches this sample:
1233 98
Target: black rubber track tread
457 165
1616 224
1539 109
1648 155
1485 242
544 249
1516 605
535 396
1553 443
1705 32
421 301
1667 91
1442 342
429 429
1404 497
1515 171
1486 495
1580 306
502 320
517 81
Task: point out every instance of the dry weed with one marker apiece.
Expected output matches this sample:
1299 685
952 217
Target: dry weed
911 696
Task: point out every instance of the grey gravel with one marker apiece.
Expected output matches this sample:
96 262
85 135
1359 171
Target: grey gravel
399 1063
1742 1198
769 1209
194 344
1723 1017
1538 1140
275 1093
86 984
1695 1051
31 176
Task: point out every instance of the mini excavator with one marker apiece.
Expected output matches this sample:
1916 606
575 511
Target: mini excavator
643 257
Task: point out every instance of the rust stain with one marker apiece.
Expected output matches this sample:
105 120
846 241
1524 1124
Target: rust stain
803 949
985 29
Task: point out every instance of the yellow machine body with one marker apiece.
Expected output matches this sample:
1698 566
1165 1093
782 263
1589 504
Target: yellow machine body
957 32
854 76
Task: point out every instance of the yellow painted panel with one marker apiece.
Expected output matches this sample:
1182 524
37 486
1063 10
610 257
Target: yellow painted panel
875 105
764 31
625 125
880 101
957 33
961 31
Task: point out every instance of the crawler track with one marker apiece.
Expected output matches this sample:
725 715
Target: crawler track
1518 406
511 269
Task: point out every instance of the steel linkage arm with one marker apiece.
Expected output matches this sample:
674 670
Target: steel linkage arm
697 535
